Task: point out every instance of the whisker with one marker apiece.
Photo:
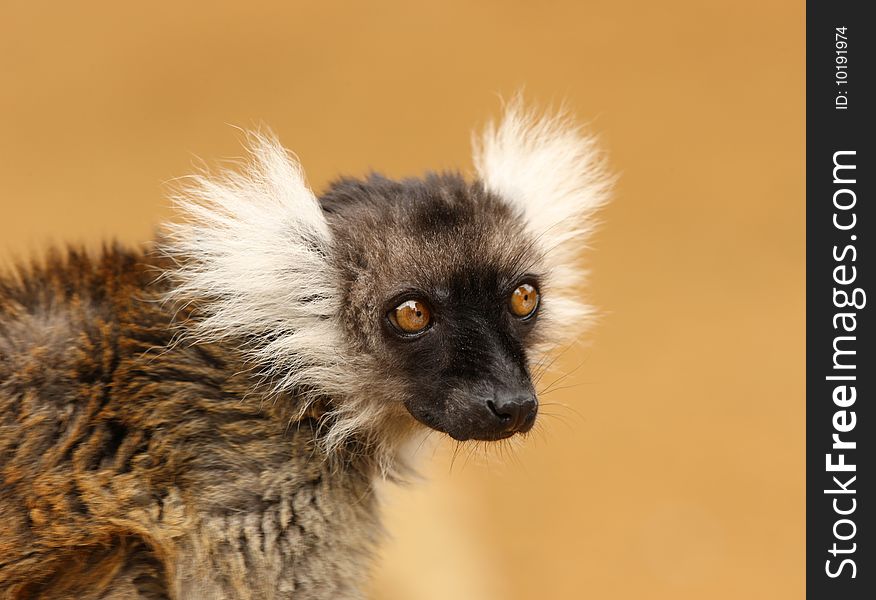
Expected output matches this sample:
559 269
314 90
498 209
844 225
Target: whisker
564 406
562 387
564 376
455 452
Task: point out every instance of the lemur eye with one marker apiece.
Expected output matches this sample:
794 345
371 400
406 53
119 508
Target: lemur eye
524 301
411 316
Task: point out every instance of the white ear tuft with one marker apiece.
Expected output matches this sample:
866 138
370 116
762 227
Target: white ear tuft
252 253
546 167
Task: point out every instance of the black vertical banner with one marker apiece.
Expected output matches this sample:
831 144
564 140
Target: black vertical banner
840 367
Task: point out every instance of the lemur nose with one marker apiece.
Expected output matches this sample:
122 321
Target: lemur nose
516 411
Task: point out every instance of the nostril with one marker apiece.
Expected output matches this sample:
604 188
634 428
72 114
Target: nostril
504 416
515 413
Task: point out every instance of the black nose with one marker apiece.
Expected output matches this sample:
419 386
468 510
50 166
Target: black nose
515 411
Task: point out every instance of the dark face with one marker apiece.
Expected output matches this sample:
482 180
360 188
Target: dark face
444 293
462 344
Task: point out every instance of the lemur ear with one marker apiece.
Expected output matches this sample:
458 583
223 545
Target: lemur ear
546 167
252 253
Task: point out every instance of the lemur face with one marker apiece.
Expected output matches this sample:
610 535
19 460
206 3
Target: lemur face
384 305
442 285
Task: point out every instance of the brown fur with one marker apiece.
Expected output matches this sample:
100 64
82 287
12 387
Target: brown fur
132 467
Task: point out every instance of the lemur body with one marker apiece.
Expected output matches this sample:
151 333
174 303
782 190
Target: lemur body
206 419
129 469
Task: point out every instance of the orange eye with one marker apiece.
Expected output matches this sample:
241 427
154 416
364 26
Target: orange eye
411 316
524 301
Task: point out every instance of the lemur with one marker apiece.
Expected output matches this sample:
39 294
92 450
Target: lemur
207 418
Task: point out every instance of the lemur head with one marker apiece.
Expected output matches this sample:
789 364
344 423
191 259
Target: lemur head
397 304
441 285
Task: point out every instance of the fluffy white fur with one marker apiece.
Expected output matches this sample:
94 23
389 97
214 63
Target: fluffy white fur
252 250
554 174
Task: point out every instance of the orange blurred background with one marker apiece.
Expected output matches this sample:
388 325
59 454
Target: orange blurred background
677 470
